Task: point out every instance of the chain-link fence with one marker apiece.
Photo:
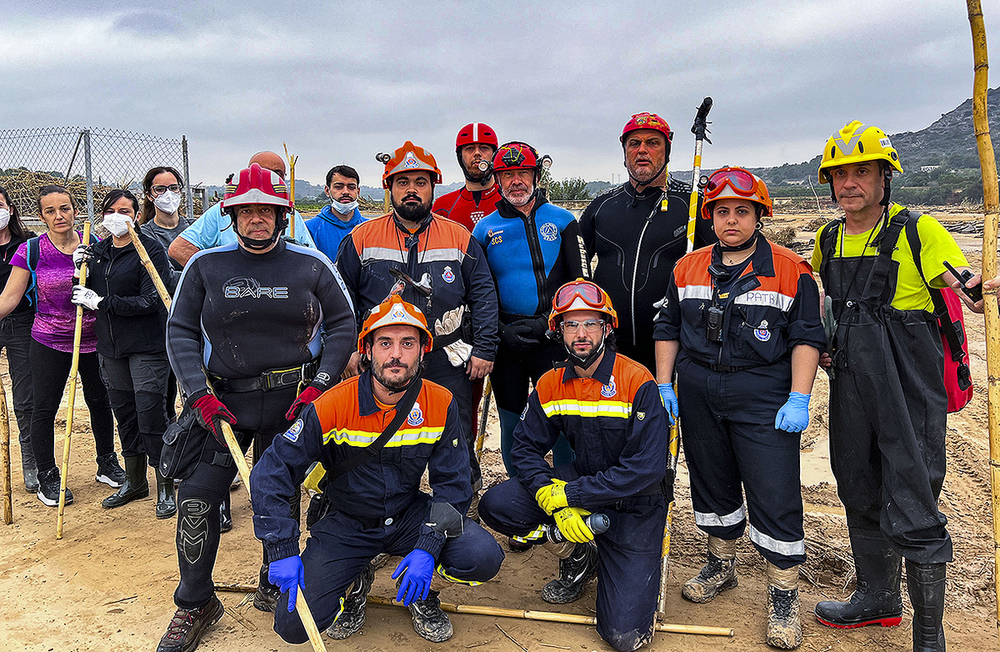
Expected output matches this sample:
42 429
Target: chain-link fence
89 162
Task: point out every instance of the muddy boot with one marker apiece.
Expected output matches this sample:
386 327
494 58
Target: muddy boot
925 583
166 504
109 471
352 609
429 620
784 629
188 625
135 486
266 597
473 511
717 575
876 600
225 515
518 544
577 566
29 469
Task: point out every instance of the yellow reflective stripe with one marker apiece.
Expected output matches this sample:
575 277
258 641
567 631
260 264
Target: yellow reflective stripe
535 535
409 437
450 578
618 409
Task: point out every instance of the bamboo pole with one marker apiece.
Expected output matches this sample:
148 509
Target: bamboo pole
140 249
551 616
300 603
71 399
991 205
674 449
291 187
8 507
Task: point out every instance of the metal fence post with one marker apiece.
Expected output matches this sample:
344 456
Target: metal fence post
90 174
187 180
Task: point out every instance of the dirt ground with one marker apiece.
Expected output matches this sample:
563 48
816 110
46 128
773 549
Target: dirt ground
108 584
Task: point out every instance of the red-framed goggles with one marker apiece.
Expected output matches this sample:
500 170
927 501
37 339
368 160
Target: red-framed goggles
589 293
739 180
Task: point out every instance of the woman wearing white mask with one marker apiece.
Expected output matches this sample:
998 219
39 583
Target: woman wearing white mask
130 328
15 336
160 218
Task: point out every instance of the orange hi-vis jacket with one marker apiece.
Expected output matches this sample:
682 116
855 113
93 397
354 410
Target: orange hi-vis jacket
336 427
615 423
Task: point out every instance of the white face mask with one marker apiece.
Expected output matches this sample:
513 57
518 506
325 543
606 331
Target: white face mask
117 223
344 209
4 218
168 202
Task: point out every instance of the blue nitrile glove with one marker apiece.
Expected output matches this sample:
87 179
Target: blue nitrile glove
669 400
419 569
288 575
794 414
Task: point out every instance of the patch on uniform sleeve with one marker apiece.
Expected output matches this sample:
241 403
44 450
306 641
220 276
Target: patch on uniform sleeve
524 412
292 434
640 415
454 442
416 416
609 390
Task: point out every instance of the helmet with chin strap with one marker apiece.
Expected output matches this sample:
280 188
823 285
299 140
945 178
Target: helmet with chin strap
471 134
257 185
582 294
410 158
395 312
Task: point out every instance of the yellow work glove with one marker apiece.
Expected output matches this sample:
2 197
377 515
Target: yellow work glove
552 496
569 520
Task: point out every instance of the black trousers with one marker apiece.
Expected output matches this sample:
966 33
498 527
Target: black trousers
628 579
456 380
15 336
137 388
260 416
49 371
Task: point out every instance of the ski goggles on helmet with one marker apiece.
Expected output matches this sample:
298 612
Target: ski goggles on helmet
734 182
589 293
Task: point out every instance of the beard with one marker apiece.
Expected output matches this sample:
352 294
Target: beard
410 211
646 174
520 201
475 174
389 383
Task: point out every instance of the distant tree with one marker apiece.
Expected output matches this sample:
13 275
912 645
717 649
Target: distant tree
575 188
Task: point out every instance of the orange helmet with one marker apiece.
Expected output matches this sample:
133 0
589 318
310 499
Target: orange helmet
410 158
735 183
581 294
391 312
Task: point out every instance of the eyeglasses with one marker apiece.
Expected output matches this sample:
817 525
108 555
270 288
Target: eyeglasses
742 182
159 190
587 291
590 326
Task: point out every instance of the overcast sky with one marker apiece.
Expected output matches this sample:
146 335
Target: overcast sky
339 82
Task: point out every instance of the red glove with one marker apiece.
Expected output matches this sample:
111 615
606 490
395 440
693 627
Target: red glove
308 395
210 409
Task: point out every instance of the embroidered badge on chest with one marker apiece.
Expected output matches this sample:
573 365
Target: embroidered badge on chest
761 332
416 416
549 231
609 390
448 275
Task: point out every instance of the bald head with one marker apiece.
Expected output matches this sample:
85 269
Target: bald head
269 161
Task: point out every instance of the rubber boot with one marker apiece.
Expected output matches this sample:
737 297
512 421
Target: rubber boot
225 514
718 574
29 469
135 486
166 504
876 600
925 584
784 629
576 568
352 607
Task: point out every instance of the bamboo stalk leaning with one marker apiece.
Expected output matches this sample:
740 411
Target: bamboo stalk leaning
991 206
74 374
291 186
140 249
8 507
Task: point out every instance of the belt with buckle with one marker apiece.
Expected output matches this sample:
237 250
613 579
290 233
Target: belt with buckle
270 379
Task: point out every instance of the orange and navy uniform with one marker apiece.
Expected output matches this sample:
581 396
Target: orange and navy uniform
615 423
771 307
466 206
443 250
336 427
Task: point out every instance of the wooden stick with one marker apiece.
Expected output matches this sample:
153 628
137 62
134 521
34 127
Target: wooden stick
300 603
291 188
674 448
551 616
161 289
483 417
8 507
236 587
74 371
991 206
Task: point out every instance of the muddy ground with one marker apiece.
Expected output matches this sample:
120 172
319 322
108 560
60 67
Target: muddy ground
107 584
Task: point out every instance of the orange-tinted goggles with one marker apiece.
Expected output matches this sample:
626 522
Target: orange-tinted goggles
587 291
742 182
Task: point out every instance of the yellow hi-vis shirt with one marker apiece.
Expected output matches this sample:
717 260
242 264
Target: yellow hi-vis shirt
936 247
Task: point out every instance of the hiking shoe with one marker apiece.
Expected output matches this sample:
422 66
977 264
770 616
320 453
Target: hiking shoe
109 471
574 573
48 488
187 626
429 620
266 597
715 576
352 611
784 629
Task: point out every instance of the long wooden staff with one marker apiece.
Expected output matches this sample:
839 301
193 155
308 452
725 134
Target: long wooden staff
71 399
291 188
300 603
161 289
991 205
8 507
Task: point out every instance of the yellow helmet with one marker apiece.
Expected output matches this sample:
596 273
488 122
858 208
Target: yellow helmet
855 143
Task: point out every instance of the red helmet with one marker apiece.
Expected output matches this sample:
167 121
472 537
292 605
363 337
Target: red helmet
647 121
516 155
410 158
391 312
735 183
256 185
476 132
